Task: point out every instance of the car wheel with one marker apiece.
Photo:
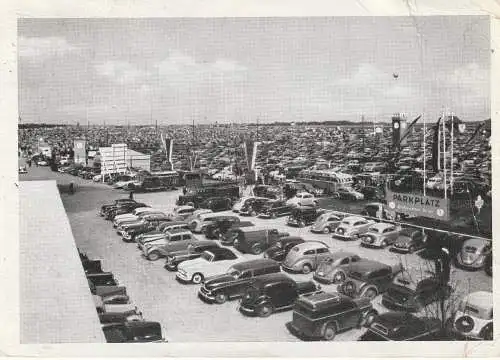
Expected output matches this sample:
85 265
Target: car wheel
220 298
306 269
253 213
256 249
370 293
197 278
368 318
273 215
326 230
411 249
329 332
265 310
153 256
301 224
383 244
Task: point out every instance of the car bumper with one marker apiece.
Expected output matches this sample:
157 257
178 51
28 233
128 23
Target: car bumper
374 245
475 265
183 277
343 237
206 297
323 279
246 310
291 269
127 237
264 216
399 250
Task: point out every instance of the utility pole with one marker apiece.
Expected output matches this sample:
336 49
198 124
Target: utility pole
363 131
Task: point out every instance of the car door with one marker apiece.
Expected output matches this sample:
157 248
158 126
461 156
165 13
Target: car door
321 254
390 234
310 257
240 285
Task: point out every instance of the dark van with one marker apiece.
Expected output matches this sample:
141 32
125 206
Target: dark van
303 216
228 237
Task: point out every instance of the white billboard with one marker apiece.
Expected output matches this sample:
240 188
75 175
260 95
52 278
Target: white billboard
114 159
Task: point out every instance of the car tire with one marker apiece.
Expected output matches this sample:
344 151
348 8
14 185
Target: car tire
306 269
339 277
265 310
253 213
326 230
257 249
301 224
153 256
370 293
329 332
368 318
220 298
197 278
273 215
384 244
411 249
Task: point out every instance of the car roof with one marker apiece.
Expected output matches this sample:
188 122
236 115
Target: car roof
184 207
367 266
321 300
178 231
310 245
252 264
205 243
272 278
291 239
221 251
475 241
354 218
342 254
381 225
483 299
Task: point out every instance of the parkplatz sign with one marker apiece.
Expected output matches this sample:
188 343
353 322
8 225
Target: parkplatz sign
113 159
418 205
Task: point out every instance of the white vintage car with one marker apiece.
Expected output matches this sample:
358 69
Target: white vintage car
352 227
380 235
210 263
302 199
134 215
474 317
181 212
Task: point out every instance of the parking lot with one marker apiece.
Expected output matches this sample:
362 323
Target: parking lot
161 298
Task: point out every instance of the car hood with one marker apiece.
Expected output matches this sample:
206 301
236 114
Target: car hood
193 264
403 240
291 258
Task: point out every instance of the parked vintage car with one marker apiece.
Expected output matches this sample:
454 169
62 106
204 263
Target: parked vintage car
176 255
273 292
233 283
474 317
406 294
304 215
327 222
174 239
306 257
256 240
136 215
147 223
219 226
380 235
101 279
254 206
303 199
198 225
242 202
210 263
113 313
409 241
110 294
229 236
125 208
323 315
377 210
403 326
368 278
217 204
280 249
334 269
181 213
274 209
473 254
352 227
348 193
133 332
105 208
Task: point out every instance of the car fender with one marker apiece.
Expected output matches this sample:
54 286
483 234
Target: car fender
365 287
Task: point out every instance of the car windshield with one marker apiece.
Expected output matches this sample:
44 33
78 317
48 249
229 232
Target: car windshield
375 230
407 232
207 256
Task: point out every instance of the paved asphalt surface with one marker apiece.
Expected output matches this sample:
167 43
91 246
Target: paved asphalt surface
161 298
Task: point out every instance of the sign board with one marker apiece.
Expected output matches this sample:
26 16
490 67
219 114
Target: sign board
418 205
113 159
79 149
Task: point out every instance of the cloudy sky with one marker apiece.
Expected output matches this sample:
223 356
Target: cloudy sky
238 70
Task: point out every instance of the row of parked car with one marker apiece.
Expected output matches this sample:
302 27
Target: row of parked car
121 320
263 288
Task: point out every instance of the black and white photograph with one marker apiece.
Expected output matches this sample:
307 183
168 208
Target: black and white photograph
255 179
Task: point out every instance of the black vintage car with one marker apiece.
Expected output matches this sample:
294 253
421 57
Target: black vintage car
409 240
102 278
403 326
233 284
215 229
92 266
105 208
217 204
281 248
412 296
273 292
274 209
229 236
323 315
305 215
133 332
193 251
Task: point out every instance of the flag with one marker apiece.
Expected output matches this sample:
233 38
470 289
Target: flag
250 148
